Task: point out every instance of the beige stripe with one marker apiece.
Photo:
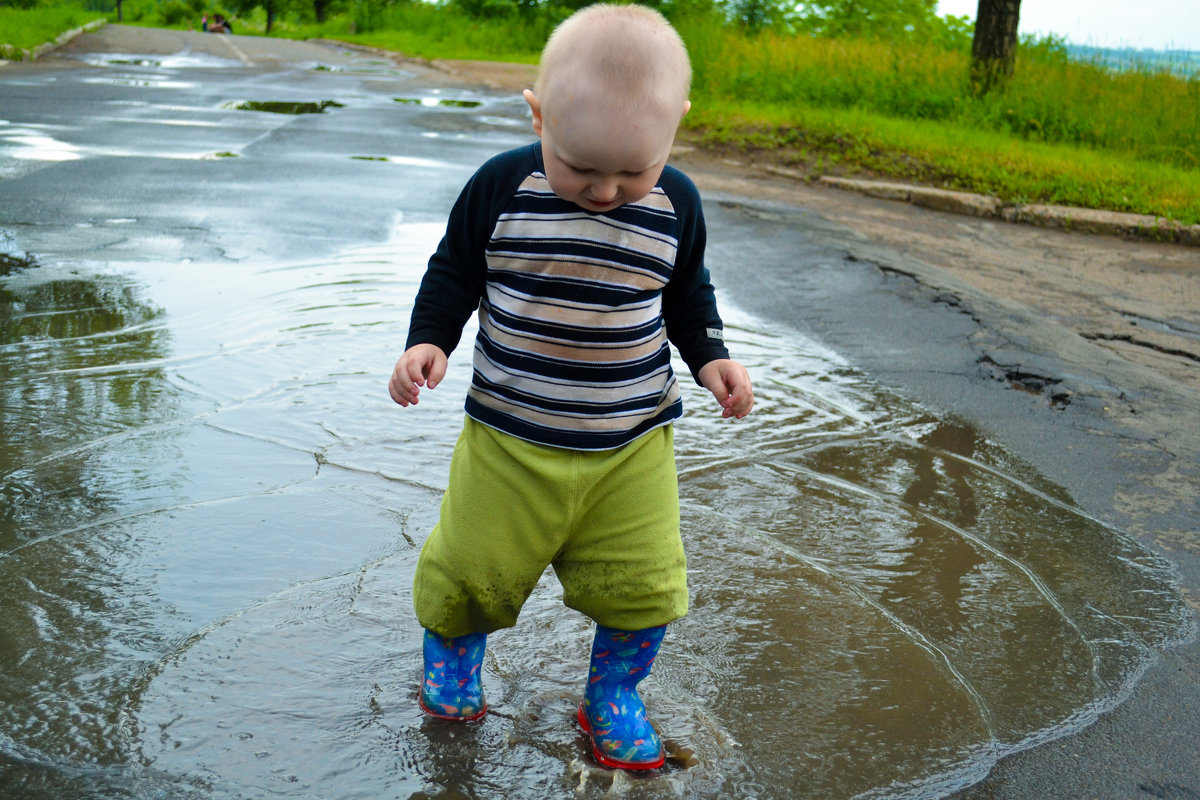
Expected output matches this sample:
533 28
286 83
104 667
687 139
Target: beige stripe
595 353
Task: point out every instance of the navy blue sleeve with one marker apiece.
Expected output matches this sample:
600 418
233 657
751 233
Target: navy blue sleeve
453 283
693 323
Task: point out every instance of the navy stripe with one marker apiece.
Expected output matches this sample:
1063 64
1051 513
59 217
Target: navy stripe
570 289
639 404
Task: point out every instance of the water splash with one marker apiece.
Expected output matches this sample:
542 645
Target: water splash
210 514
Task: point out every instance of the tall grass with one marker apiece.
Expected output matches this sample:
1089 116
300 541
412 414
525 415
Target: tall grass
25 29
1149 115
428 31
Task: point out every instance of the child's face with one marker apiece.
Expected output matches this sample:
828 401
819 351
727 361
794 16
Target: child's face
600 161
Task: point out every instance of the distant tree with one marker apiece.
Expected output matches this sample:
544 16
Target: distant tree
755 14
883 19
994 48
272 8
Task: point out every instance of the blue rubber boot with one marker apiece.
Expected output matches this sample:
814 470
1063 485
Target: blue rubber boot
453 683
612 714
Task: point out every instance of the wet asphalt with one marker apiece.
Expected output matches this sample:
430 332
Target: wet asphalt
134 145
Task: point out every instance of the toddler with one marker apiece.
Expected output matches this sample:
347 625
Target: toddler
582 255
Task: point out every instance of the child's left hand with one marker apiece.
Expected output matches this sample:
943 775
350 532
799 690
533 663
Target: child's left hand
730 384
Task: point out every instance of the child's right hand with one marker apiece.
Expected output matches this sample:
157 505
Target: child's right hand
421 365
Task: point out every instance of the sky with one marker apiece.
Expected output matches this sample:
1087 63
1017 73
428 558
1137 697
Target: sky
1159 24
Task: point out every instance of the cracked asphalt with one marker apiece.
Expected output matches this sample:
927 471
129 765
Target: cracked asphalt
1076 351
1080 353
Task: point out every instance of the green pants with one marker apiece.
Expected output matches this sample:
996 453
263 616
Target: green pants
607 520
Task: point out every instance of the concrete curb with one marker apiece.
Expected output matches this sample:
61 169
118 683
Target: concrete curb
9 52
1113 223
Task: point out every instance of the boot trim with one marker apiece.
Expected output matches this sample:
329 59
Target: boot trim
453 717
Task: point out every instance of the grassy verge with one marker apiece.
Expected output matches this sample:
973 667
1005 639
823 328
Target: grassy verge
25 29
425 31
861 143
1060 132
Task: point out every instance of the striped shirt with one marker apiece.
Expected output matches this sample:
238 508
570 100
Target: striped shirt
575 308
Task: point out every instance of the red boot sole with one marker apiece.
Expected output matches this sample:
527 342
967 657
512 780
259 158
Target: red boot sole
432 713
613 763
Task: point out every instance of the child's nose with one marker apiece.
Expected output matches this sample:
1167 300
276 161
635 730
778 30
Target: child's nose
604 190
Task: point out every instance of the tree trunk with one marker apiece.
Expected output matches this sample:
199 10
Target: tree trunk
995 45
319 10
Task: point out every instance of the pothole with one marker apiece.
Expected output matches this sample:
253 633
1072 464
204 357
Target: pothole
284 106
433 102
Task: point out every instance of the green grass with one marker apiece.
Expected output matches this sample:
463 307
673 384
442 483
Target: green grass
426 31
864 143
25 29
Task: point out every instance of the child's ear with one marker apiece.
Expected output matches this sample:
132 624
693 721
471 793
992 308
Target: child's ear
687 106
535 106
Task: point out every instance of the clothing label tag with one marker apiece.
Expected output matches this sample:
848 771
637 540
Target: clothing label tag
716 333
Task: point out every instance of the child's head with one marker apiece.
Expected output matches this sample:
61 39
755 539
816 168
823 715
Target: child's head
611 89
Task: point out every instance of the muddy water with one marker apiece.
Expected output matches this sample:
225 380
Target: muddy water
210 513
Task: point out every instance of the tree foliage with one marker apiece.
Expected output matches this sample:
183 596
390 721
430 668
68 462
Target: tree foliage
884 19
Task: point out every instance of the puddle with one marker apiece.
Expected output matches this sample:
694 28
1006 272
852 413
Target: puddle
184 59
133 62
32 144
12 258
388 71
210 513
504 122
406 161
157 83
283 106
438 102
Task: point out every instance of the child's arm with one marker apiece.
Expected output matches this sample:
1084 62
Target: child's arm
730 384
421 365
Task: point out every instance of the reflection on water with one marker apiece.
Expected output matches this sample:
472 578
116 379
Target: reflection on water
210 513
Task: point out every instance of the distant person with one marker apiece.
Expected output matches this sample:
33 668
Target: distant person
204 22
220 25
582 255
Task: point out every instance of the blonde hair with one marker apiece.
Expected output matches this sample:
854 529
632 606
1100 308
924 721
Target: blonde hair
634 53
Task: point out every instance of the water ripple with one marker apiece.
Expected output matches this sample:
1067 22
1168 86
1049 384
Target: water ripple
210 513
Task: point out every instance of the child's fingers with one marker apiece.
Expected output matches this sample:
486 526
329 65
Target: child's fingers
435 372
741 396
406 380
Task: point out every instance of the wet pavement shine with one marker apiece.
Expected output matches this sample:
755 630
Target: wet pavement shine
210 510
